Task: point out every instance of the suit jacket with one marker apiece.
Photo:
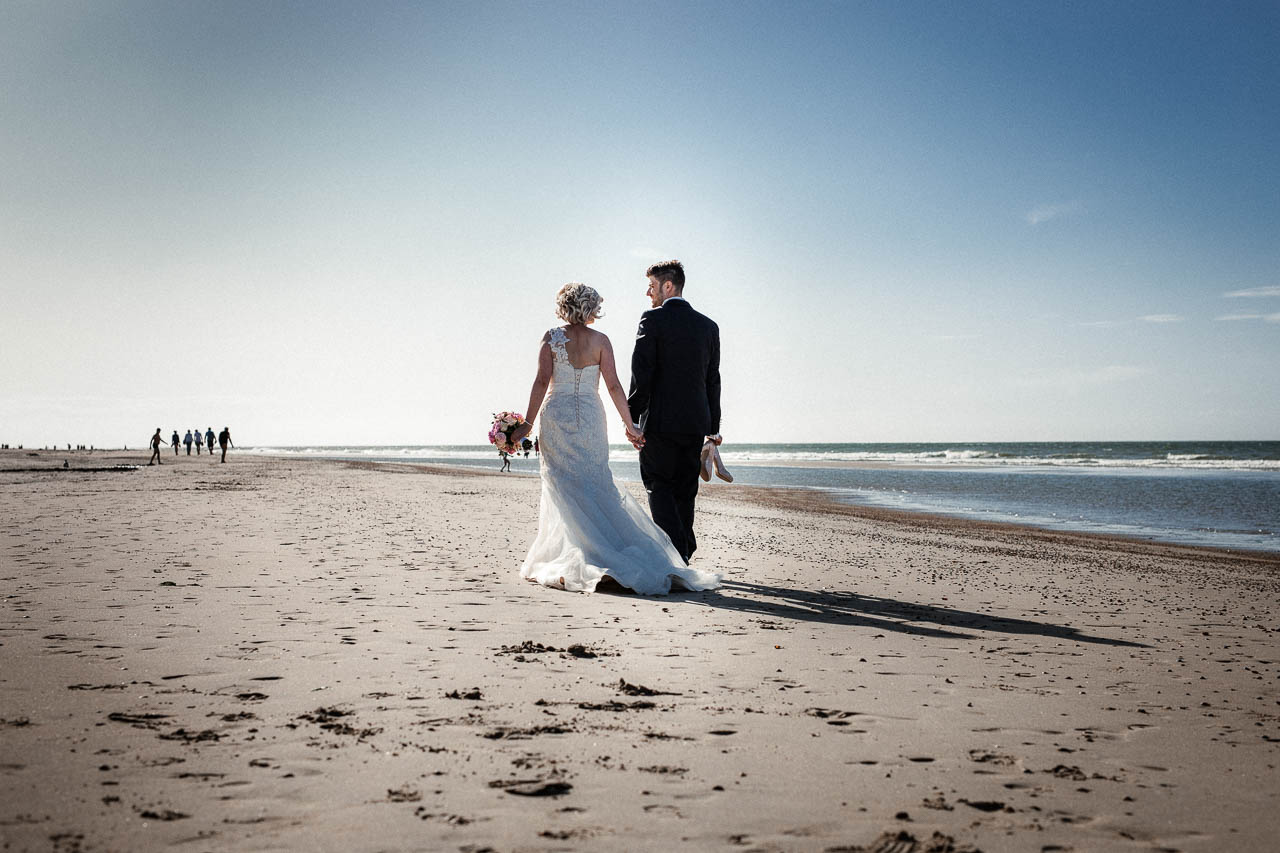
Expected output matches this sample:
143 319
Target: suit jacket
675 371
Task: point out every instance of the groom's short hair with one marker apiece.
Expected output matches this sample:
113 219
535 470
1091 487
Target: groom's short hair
672 271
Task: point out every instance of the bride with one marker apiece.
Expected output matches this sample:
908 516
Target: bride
588 527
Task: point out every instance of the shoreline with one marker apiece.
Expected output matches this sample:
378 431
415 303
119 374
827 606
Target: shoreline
814 500
799 497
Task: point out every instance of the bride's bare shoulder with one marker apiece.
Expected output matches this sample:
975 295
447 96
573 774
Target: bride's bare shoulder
600 341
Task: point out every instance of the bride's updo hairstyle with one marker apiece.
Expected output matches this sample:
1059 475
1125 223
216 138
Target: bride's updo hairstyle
578 303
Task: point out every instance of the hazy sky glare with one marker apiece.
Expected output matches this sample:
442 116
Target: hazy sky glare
345 223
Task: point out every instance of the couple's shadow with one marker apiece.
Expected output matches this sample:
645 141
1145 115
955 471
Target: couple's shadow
866 611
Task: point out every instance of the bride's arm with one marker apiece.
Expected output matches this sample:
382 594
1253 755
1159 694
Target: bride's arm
539 390
609 371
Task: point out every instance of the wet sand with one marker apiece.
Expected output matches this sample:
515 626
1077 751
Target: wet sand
295 655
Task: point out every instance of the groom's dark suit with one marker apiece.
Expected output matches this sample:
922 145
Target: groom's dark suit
675 397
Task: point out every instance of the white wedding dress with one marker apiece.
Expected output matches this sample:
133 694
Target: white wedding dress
588 527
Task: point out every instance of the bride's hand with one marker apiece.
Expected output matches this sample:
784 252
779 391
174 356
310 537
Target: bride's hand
635 436
518 434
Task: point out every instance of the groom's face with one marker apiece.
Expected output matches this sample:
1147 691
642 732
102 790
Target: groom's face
655 293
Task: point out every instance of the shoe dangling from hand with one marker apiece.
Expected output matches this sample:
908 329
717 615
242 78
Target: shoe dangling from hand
705 469
721 471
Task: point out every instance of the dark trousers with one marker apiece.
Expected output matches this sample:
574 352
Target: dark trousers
669 466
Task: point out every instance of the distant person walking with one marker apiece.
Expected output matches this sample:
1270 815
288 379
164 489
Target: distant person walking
199 443
208 439
187 441
156 442
506 460
224 439
175 441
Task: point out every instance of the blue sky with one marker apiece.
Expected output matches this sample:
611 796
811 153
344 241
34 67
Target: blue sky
344 223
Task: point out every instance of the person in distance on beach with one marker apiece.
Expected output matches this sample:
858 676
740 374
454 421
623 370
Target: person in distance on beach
156 441
224 441
175 441
208 440
187 441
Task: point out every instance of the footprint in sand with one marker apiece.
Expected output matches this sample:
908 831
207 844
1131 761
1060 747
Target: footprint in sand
982 756
663 809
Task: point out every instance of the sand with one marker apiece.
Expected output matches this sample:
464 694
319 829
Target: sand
315 655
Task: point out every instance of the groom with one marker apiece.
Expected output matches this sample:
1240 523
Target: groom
675 399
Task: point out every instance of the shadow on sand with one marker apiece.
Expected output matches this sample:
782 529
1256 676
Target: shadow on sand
886 614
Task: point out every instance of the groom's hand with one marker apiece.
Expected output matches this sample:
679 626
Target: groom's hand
635 435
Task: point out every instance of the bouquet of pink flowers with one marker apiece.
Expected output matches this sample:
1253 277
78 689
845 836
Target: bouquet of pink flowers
505 423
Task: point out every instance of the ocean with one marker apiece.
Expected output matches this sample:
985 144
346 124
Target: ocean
1224 494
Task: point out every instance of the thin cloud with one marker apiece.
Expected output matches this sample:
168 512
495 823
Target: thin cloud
1160 318
1046 212
1253 292
1266 318
1102 324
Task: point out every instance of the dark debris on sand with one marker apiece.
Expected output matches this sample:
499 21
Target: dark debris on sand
901 841
533 787
504 733
626 687
403 794
330 719
193 737
638 705
529 647
141 721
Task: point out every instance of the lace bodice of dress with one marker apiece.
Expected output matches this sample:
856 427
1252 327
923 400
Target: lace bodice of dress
565 378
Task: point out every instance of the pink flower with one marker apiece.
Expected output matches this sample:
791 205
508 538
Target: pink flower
505 423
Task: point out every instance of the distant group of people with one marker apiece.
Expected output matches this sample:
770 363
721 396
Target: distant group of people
526 446
193 438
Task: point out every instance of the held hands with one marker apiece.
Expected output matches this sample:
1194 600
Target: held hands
634 435
715 439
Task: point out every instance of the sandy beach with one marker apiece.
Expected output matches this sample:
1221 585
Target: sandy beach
317 655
